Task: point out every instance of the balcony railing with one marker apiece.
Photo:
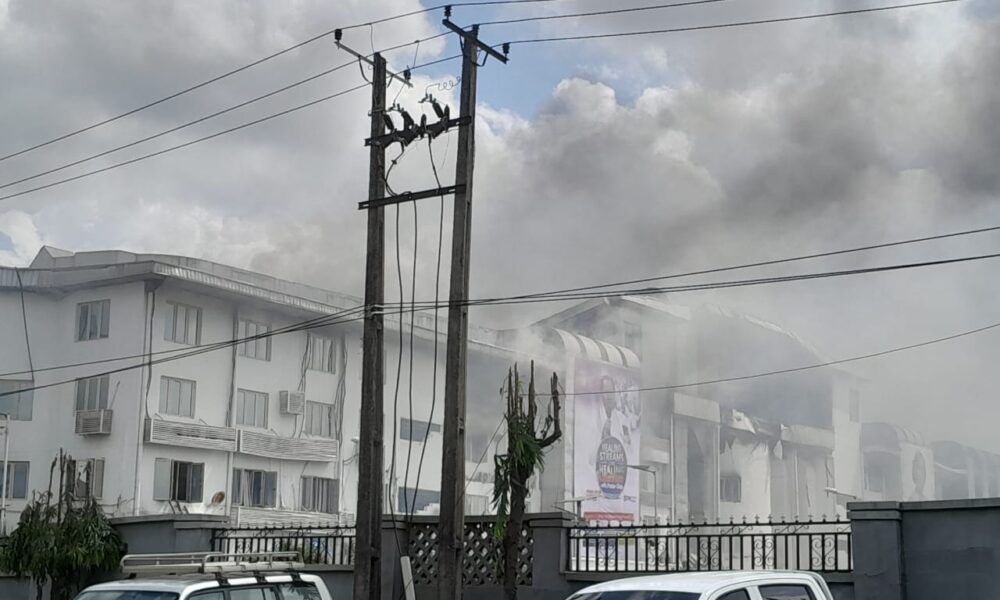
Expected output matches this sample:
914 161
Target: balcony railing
190 435
93 422
268 445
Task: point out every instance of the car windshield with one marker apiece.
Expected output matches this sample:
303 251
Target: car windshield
126 595
637 595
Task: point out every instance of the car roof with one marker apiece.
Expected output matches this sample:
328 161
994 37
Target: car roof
697 582
190 582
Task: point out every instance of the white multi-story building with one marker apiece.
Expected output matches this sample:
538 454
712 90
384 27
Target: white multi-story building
118 347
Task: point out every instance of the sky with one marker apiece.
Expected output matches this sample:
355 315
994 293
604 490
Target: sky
597 160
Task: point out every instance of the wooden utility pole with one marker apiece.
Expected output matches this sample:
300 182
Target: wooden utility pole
367 564
452 516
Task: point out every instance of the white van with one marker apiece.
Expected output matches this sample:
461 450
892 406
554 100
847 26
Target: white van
721 585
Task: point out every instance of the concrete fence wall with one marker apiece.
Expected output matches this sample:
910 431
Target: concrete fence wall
927 550
901 551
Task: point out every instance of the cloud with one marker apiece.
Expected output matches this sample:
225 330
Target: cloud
19 238
673 153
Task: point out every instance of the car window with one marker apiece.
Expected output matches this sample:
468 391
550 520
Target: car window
735 595
260 593
785 592
216 595
636 595
299 591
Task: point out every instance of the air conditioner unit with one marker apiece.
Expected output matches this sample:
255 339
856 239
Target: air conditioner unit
93 422
292 403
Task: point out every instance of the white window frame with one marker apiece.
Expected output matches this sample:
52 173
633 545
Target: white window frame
165 389
166 473
259 349
92 329
11 474
320 494
267 488
260 404
92 393
19 406
88 479
171 333
322 353
322 411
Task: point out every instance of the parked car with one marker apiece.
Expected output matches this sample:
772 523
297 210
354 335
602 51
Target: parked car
722 585
211 576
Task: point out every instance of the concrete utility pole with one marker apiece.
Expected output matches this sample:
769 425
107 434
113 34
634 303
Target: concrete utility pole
452 517
367 564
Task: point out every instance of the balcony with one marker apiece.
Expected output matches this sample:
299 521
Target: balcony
93 422
190 435
268 445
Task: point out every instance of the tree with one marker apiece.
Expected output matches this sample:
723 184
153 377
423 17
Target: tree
61 540
525 454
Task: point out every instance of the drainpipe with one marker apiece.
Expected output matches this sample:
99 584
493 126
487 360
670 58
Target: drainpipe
6 465
149 308
231 412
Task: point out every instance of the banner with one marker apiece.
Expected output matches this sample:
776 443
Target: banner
607 420
917 465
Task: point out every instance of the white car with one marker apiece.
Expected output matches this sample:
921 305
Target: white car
209 576
722 585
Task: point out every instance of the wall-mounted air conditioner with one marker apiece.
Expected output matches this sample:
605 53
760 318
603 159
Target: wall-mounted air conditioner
292 403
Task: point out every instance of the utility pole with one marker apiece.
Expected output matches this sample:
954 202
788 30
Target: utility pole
367 564
452 516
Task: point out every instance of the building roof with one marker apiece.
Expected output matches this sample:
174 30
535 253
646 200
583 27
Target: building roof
699 583
54 269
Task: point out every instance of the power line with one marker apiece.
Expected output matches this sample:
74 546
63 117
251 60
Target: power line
249 65
562 295
808 367
779 261
185 144
729 25
209 137
596 13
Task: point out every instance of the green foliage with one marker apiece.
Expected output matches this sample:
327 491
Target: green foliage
524 455
62 541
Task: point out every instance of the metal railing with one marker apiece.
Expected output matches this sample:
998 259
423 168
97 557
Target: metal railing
317 545
821 545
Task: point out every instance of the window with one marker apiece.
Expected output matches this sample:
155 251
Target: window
321 354
197 596
183 324
785 592
318 419
320 494
92 393
299 591
422 500
137 595
730 488
17 480
736 595
177 480
476 505
854 407
89 478
17 404
259 348
93 320
255 488
251 408
415 430
177 397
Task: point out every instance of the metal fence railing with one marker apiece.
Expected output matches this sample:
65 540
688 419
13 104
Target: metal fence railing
317 545
822 545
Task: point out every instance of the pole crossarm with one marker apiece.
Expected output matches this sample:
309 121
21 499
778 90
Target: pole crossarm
404 79
412 196
473 38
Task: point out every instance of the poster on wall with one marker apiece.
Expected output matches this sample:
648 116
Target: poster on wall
606 440
917 472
